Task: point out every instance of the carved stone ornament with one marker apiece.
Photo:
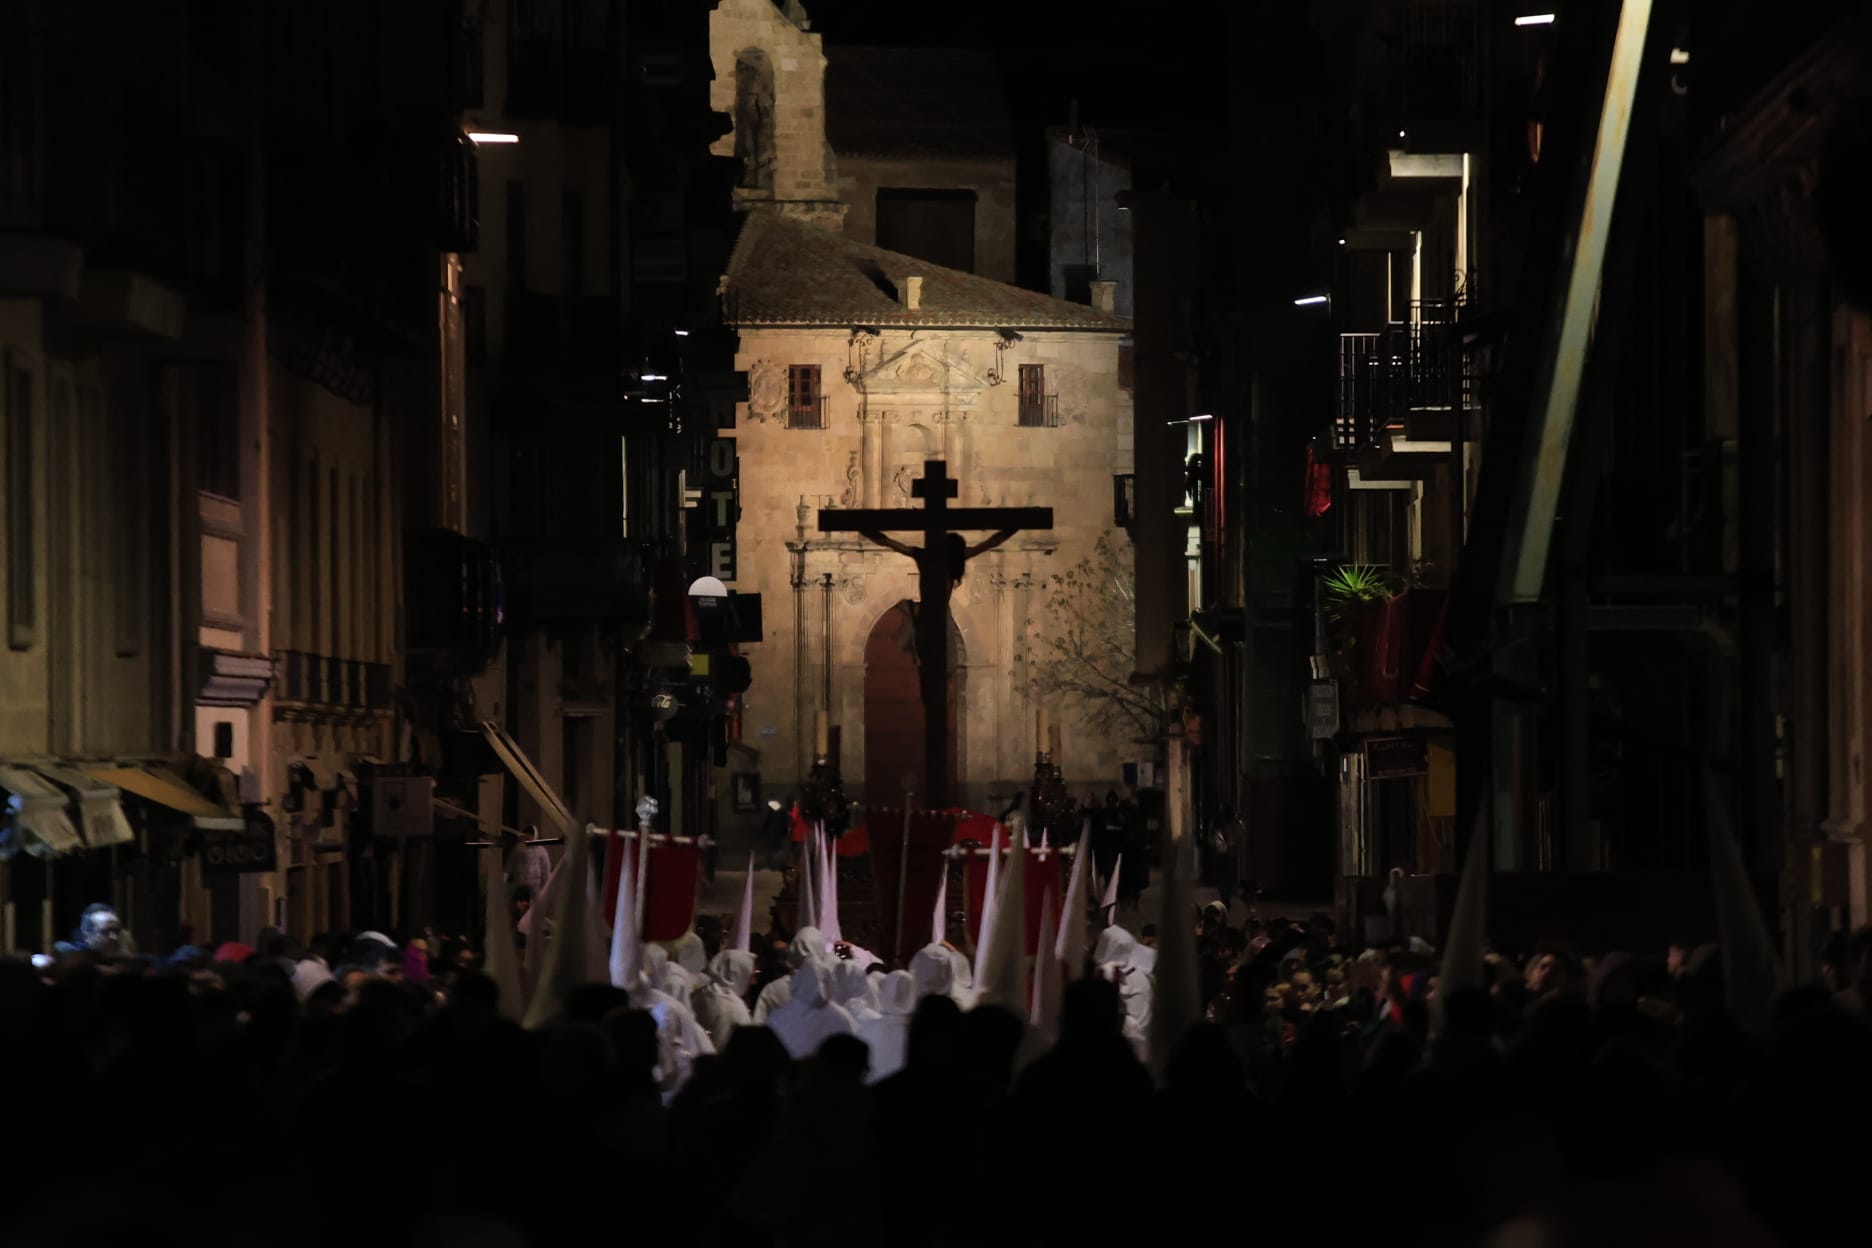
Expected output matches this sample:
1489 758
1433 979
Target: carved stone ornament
854 590
849 498
766 390
921 375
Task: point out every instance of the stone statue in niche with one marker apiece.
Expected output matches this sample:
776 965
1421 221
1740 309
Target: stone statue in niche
754 119
901 481
766 390
850 497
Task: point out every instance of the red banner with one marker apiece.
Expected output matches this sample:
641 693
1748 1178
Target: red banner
1043 877
669 887
921 875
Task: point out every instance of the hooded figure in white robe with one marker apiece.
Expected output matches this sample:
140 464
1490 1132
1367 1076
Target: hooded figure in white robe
688 953
1128 965
807 1019
853 990
721 1005
680 1037
666 976
808 946
887 1031
933 972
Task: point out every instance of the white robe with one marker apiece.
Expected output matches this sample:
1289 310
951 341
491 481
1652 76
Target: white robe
808 1018
682 1036
934 969
721 1005
808 946
1131 966
887 1030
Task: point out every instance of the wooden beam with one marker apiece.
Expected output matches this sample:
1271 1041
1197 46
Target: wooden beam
910 519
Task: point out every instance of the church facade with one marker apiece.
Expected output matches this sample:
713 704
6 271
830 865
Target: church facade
862 365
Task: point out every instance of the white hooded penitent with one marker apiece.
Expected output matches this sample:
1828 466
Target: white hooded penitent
1108 904
1175 1002
939 917
1044 1015
1070 946
744 926
1004 980
984 929
626 937
503 961
565 960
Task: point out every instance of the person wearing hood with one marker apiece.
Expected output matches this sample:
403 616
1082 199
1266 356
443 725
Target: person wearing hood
852 991
680 1037
1128 965
886 1030
667 976
934 972
721 1005
689 953
807 946
808 1017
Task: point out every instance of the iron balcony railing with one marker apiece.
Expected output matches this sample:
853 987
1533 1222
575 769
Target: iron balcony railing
1039 411
807 413
1414 372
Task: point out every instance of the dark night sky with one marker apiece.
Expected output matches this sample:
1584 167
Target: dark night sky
1128 63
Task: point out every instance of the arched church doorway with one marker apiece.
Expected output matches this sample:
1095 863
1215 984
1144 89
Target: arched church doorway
893 707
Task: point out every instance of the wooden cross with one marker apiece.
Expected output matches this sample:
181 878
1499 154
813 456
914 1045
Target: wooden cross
940 561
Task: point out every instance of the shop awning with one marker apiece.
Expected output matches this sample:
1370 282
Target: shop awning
100 806
165 788
514 759
36 808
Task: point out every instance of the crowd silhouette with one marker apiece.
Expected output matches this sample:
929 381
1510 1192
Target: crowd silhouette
1329 1095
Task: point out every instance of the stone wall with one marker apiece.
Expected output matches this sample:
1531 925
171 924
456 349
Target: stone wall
803 164
915 395
861 177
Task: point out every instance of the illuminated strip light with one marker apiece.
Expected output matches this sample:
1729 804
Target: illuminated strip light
1535 519
1309 300
1535 19
492 136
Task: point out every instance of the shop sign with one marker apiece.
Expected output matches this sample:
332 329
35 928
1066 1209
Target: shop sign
1396 758
237 853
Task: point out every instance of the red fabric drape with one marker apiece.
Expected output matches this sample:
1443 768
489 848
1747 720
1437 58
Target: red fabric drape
856 842
1043 877
669 886
922 875
1318 486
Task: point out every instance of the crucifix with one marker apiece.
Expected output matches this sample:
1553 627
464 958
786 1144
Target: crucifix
939 561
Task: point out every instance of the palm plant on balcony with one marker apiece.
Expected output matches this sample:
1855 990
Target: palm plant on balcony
1365 605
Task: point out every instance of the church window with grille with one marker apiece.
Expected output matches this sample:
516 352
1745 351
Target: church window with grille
805 401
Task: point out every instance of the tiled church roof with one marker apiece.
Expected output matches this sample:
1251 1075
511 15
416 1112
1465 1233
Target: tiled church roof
785 272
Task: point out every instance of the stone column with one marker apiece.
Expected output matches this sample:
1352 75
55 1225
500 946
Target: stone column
872 423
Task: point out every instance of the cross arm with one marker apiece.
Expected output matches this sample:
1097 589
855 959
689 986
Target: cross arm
889 542
989 543
912 519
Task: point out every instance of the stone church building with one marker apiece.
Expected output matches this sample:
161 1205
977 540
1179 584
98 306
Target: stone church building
862 364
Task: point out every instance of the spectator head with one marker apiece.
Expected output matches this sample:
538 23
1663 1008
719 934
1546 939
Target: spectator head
100 930
845 1057
1554 969
1148 936
1090 1008
935 1034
